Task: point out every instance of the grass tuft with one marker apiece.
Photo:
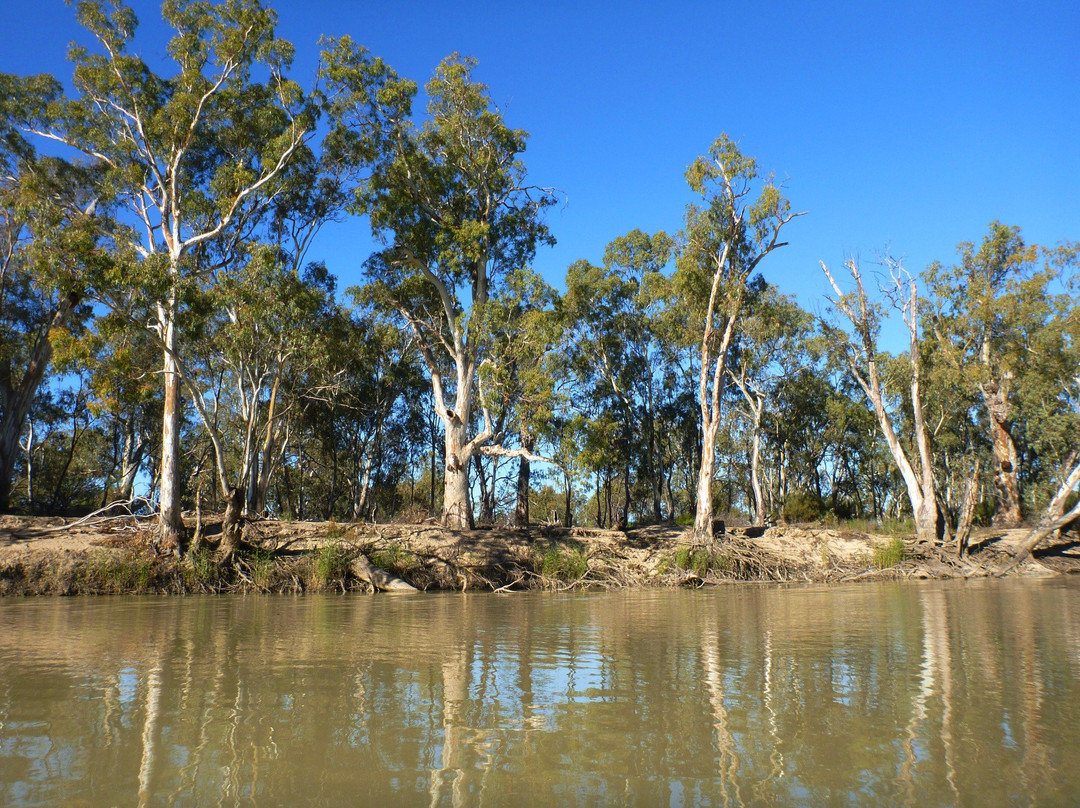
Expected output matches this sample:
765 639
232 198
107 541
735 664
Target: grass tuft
566 562
889 555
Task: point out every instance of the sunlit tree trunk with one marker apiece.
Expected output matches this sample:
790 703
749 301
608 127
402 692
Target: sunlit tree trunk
170 519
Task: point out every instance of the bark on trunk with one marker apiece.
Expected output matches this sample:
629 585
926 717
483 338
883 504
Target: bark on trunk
231 528
521 509
170 520
703 515
456 513
1006 457
134 450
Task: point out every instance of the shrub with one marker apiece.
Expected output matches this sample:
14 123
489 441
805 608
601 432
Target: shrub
200 570
395 559
802 506
890 554
565 562
260 566
701 561
330 564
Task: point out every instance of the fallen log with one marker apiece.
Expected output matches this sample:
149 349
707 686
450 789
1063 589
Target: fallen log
382 580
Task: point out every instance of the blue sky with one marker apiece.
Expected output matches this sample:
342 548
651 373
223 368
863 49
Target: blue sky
898 126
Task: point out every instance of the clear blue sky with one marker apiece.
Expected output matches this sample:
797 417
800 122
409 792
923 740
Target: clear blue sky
901 126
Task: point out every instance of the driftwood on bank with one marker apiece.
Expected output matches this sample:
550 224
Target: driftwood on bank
380 579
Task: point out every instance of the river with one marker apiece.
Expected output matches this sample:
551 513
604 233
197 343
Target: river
878 694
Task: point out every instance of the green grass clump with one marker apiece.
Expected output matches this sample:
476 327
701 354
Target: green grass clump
566 562
259 565
117 574
395 559
200 570
701 561
889 555
331 563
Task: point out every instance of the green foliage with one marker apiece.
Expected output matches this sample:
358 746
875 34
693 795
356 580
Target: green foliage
200 570
566 561
331 563
120 574
260 567
803 506
890 554
701 561
395 559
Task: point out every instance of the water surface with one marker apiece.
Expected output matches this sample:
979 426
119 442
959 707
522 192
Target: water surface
899 694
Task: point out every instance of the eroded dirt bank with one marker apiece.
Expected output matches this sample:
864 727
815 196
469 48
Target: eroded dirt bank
118 555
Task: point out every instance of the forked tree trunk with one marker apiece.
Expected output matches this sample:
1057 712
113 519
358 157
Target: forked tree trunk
862 361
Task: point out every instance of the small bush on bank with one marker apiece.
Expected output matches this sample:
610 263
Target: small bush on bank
200 571
566 562
329 564
701 561
802 506
118 574
395 559
890 554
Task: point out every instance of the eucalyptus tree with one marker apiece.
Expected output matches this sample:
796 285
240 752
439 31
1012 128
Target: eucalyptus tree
263 340
186 156
987 309
1056 356
770 346
612 314
725 240
50 250
864 361
522 373
448 196
118 357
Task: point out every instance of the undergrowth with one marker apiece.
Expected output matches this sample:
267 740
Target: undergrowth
890 554
563 561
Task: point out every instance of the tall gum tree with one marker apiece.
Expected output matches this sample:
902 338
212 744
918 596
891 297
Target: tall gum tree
772 345
724 242
1056 356
448 197
865 363
987 309
49 248
186 156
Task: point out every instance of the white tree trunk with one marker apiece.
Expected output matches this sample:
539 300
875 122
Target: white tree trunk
457 513
170 519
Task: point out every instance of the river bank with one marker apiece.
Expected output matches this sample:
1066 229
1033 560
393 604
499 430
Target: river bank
118 556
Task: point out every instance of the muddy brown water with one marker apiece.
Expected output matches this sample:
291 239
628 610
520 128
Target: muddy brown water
878 694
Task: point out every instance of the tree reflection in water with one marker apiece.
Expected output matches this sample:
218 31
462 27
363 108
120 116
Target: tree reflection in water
863 695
